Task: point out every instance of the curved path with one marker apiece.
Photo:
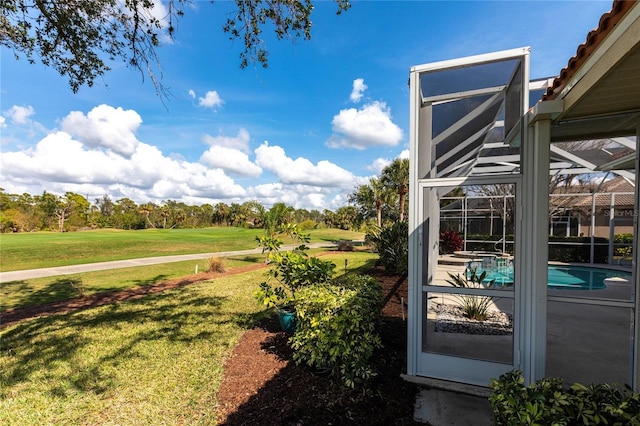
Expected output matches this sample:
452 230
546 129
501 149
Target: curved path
116 264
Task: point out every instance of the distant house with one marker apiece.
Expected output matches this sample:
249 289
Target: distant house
612 202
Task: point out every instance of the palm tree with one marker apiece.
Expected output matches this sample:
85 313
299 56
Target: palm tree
221 213
381 195
277 216
396 177
165 213
146 210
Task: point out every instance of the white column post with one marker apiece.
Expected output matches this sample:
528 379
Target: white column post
534 272
414 287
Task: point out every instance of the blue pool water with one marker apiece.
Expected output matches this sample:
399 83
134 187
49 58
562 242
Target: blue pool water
560 277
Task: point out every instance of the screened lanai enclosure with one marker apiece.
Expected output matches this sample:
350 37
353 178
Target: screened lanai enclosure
524 215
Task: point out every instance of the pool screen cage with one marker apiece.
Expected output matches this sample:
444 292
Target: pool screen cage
474 171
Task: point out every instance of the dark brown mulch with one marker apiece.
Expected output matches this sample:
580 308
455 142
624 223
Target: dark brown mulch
263 386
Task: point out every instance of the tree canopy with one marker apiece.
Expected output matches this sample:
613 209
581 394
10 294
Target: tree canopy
385 196
79 38
72 211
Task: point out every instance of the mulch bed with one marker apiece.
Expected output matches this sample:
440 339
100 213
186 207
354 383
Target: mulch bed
262 384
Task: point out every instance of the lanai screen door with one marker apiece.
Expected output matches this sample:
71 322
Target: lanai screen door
464 144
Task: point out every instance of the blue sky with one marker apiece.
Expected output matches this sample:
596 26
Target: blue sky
326 114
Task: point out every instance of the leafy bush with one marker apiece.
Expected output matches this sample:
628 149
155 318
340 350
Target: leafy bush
547 402
392 244
623 245
344 245
215 264
291 270
579 251
473 306
307 224
450 242
337 327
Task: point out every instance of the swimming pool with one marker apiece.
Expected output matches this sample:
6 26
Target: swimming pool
560 277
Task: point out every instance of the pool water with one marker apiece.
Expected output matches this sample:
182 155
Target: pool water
560 277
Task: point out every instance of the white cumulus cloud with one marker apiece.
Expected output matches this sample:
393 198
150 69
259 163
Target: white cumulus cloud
378 164
211 100
230 160
58 162
106 127
298 196
301 170
239 142
363 128
19 114
192 94
358 90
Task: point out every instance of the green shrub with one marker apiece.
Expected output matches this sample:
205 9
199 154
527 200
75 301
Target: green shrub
337 327
623 245
344 245
547 402
307 224
391 241
450 242
623 238
579 251
291 270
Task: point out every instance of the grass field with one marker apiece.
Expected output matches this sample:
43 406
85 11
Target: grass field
48 249
154 360
38 291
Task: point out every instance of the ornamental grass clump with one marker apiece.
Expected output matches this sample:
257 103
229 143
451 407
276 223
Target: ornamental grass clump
474 307
215 264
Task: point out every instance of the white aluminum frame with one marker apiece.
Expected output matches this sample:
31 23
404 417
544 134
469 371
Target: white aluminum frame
418 157
470 371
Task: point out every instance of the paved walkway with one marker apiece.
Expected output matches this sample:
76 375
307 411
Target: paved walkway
116 264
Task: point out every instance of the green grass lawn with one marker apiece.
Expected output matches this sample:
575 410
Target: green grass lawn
48 249
154 360
25 293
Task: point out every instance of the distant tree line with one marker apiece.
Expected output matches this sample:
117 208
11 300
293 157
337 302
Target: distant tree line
72 212
382 200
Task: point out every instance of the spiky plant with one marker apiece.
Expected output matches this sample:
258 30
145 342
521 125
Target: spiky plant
474 306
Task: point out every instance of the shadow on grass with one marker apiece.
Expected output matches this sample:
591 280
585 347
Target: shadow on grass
256 258
22 294
92 345
364 268
151 281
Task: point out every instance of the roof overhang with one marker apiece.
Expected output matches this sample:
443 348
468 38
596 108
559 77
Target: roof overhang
602 96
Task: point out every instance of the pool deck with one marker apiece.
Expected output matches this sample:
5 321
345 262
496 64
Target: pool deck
572 320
